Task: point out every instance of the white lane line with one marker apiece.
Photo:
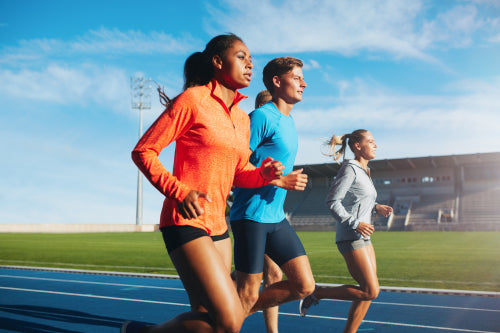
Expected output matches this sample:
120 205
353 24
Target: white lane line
282 313
393 323
182 289
94 296
421 305
86 265
318 276
90 282
163 276
92 272
406 280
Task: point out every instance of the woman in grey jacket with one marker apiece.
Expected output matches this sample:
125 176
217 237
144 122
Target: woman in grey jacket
352 201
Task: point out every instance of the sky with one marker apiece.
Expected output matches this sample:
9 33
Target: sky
422 76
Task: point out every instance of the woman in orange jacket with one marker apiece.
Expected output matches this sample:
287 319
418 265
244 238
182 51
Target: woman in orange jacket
212 138
211 154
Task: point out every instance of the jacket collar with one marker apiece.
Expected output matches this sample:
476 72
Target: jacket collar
356 163
216 93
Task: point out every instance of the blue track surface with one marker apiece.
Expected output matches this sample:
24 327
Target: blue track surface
45 301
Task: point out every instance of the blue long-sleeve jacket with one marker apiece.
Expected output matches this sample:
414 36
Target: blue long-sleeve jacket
351 200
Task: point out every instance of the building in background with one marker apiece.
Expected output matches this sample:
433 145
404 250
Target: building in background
447 193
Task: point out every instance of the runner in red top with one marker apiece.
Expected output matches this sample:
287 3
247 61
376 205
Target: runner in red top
212 151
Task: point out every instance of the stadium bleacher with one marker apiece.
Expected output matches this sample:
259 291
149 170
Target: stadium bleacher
482 207
453 192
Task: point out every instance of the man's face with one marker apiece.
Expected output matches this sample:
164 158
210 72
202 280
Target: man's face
290 86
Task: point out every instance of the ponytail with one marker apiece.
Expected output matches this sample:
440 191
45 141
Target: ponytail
198 70
336 141
164 99
344 141
196 73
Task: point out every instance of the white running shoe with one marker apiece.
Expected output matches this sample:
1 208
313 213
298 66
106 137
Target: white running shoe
306 303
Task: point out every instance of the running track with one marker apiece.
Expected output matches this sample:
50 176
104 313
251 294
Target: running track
35 300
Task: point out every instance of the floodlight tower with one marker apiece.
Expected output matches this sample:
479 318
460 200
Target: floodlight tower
141 99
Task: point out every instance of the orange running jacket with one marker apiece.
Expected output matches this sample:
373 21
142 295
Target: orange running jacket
211 153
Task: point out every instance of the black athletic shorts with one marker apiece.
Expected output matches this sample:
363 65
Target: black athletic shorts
177 235
254 239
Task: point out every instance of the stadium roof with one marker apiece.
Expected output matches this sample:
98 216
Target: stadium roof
447 161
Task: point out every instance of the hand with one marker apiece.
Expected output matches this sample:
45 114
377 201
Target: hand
295 180
271 169
383 210
365 229
190 207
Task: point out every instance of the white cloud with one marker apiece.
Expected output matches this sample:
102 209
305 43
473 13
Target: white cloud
103 41
341 26
311 64
137 42
105 86
495 39
473 104
401 28
492 3
466 117
454 28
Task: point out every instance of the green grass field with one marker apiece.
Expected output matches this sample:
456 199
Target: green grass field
444 260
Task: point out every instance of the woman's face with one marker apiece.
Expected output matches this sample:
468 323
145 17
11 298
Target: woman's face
234 70
366 147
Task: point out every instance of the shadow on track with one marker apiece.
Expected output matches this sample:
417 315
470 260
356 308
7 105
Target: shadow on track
53 314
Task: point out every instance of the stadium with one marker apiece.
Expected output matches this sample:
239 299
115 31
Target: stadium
77 254
89 278
436 193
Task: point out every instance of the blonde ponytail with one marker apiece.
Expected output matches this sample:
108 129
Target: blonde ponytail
353 138
336 141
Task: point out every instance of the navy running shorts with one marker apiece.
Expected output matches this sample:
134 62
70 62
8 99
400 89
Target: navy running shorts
177 235
254 239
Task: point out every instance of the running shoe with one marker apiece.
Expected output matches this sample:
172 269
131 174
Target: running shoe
306 303
132 327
